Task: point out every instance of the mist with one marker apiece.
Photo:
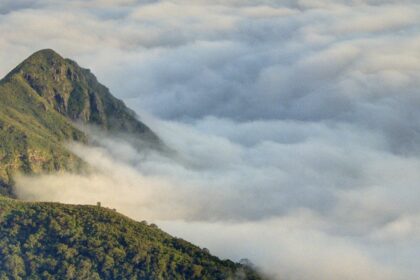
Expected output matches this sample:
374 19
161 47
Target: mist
294 125
296 199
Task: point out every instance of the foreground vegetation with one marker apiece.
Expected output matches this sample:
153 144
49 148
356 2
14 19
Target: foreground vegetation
56 241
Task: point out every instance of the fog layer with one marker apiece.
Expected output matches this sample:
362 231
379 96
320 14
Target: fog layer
295 124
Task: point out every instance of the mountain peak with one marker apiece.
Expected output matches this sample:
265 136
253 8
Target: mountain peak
39 102
75 92
41 60
46 54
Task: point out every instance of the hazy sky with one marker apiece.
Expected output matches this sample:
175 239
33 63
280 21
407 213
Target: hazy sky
297 124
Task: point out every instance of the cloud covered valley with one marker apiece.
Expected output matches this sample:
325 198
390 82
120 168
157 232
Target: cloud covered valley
294 125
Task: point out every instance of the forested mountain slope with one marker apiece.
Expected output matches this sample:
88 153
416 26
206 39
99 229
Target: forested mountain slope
56 241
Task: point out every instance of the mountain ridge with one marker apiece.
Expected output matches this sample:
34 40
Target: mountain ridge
40 101
76 93
58 241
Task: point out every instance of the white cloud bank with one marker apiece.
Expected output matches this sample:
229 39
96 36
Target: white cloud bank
300 200
296 124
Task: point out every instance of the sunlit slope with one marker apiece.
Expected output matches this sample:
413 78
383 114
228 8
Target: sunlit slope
40 100
56 241
32 133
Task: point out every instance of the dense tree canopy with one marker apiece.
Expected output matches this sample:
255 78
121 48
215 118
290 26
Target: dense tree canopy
56 241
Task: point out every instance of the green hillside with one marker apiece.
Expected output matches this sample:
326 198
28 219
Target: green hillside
56 241
75 93
40 100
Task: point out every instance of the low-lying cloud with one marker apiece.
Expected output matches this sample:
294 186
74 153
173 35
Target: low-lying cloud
297 199
295 124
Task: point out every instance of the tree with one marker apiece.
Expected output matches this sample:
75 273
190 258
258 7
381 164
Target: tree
16 266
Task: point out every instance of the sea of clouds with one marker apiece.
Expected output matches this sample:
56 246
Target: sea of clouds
295 125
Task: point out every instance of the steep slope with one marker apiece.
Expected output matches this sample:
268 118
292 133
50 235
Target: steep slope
75 93
39 102
32 133
55 241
